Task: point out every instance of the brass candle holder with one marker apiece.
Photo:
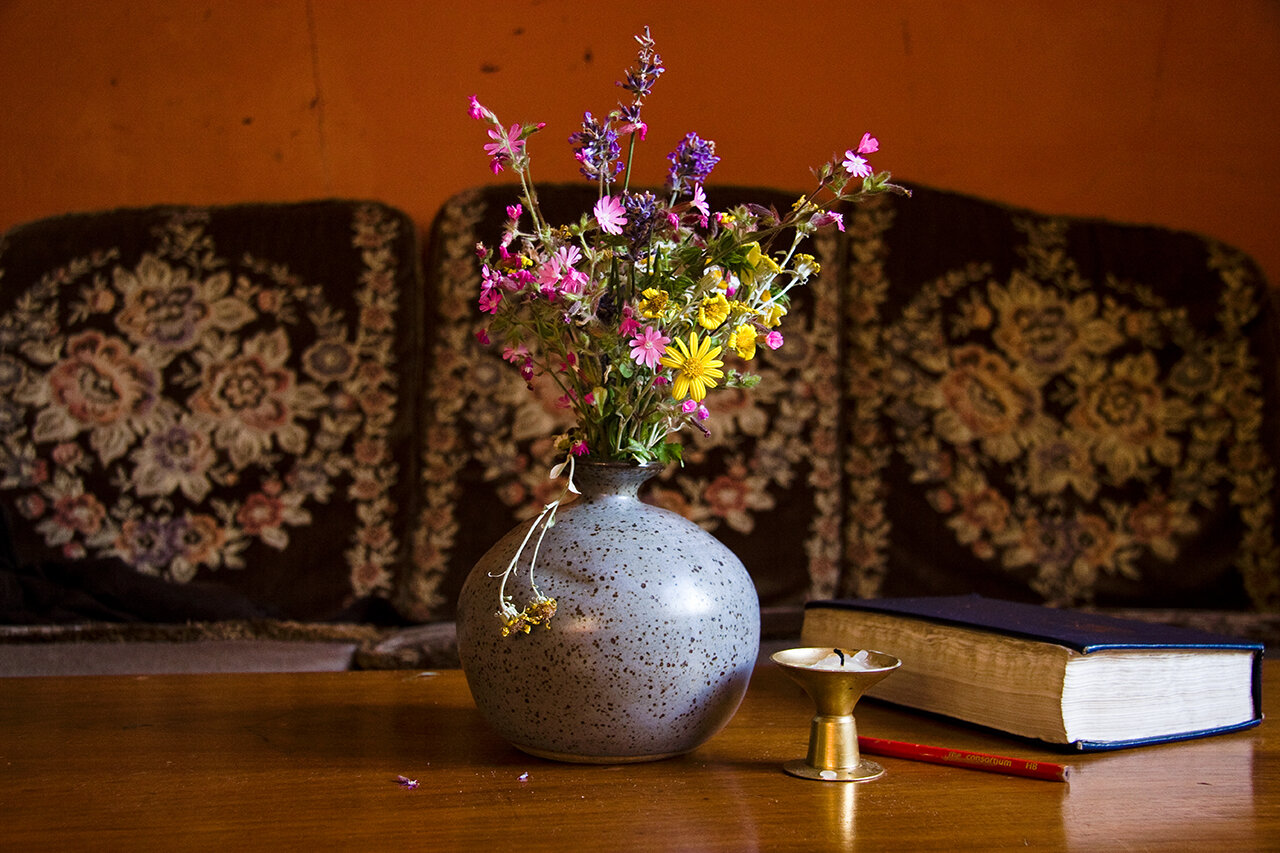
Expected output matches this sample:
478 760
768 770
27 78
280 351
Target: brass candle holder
835 690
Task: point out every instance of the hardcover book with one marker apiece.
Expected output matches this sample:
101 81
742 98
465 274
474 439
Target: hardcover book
1062 676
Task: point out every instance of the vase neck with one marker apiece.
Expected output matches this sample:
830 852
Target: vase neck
612 479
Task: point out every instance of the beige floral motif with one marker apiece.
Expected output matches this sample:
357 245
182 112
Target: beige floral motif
1158 521
1059 464
165 308
1125 416
254 400
99 387
982 399
172 459
74 512
169 488
733 496
1069 552
1046 331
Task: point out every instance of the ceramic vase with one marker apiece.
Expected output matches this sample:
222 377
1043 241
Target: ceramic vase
655 635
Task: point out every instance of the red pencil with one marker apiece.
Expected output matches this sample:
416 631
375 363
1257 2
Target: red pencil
961 758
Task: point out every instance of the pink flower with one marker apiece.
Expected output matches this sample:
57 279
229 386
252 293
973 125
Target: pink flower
574 281
868 145
825 218
504 147
634 127
774 339
628 326
703 413
514 211
648 346
854 164
483 336
689 406
699 203
475 110
489 300
579 448
610 214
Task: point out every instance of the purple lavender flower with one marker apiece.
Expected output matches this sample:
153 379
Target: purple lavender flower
642 216
691 162
597 149
647 70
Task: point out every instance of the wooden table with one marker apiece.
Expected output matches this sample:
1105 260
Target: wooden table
310 761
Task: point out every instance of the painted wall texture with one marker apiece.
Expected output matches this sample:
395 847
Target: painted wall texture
1157 111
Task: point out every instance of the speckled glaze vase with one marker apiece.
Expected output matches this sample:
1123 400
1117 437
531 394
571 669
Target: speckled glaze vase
653 642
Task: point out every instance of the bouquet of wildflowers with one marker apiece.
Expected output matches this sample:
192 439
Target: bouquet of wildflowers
633 309
649 300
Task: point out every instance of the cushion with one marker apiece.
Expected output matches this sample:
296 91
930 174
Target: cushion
208 412
1056 409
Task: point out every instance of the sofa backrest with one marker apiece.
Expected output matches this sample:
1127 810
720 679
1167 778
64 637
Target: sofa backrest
209 412
972 398
270 410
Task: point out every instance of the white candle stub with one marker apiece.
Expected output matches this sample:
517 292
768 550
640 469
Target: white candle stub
840 659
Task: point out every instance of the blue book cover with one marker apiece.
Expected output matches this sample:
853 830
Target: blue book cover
1081 631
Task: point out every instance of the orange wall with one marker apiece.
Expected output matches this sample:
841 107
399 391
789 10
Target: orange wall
1162 111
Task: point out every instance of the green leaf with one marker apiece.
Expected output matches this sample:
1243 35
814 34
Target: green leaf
669 451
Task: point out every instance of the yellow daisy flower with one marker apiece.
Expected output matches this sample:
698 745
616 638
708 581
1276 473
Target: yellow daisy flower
653 303
696 366
743 341
713 311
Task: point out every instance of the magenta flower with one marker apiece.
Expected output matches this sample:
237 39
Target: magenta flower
868 145
689 406
648 346
628 326
580 448
483 337
825 218
505 145
610 214
475 110
699 203
774 339
854 164
489 300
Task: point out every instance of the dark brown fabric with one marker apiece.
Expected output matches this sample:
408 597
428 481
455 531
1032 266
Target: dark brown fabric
1054 409
210 412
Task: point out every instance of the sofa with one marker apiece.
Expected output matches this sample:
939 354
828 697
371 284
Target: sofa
267 435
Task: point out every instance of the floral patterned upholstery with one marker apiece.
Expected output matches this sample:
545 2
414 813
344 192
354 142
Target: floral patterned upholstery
971 398
269 411
1061 410
221 399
